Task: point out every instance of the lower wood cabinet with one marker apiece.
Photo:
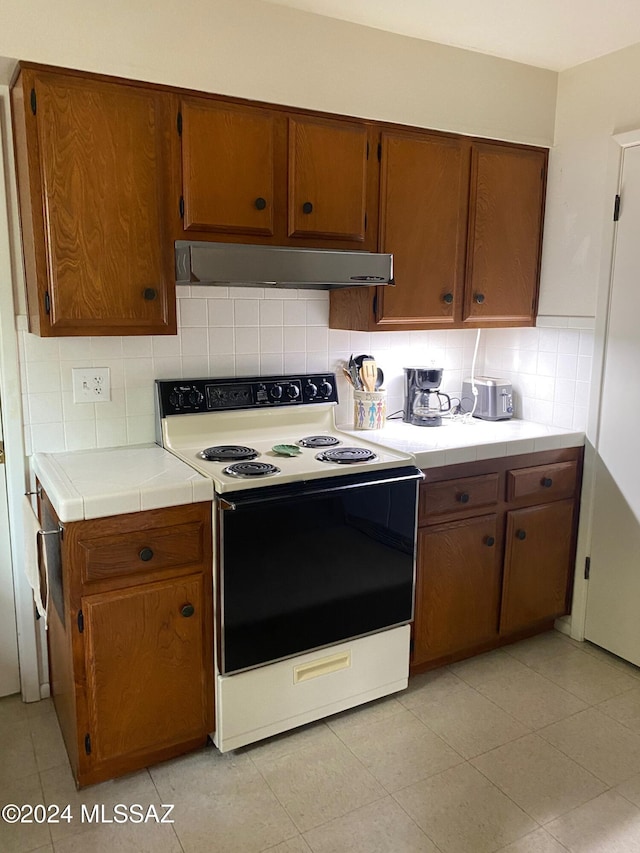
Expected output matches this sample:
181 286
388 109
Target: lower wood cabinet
131 645
496 551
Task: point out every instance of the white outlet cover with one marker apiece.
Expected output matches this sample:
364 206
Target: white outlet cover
91 384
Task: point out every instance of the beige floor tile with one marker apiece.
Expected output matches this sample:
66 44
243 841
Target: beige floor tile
438 687
18 755
585 676
122 838
529 697
205 772
20 837
47 741
537 842
12 711
36 709
601 745
381 827
631 790
540 779
320 783
293 845
539 648
470 723
400 750
482 668
462 812
624 708
608 824
247 819
288 742
611 659
60 789
372 712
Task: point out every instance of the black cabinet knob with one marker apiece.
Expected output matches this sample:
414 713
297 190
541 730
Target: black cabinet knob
490 541
146 554
479 298
260 203
521 534
150 293
547 482
448 298
187 610
464 498
307 207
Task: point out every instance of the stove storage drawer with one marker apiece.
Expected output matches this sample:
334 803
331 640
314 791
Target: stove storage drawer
125 549
459 497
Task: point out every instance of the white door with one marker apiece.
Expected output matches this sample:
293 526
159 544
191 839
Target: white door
9 672
613 601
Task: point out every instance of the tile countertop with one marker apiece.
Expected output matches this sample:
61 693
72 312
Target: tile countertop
96 483
467 441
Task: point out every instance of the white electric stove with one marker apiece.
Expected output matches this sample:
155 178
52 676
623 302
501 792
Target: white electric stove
315 536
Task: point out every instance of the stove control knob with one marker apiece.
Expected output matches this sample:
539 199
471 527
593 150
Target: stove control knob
195 397
276 392
325 389
310 390
176 398
293 392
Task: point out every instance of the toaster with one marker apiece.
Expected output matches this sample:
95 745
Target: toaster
495 398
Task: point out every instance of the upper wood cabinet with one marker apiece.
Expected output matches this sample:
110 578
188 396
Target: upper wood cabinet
93 159
423 223
228 167
505 234
328 179
463 219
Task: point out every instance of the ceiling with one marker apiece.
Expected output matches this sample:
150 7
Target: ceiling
554 34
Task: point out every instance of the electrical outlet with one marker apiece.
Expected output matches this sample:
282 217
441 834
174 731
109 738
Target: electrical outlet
91 384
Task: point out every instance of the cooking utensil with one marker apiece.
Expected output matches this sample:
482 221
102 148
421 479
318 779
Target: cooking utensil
286 449
369 373
379 378
354 370
347 376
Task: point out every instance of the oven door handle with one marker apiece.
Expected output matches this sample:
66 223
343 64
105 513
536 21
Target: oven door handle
307 489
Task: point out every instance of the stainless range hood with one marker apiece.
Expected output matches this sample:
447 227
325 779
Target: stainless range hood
274 266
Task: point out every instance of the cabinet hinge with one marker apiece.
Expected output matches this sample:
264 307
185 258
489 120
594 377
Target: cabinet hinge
375 304
80 621
365 222
587 568
181 207
379 150
367 149
87 743
179 124
616 209
47 302
34 102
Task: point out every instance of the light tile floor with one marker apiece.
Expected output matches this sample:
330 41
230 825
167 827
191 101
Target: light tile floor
534 748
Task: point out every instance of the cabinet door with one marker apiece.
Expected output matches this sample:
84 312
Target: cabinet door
505 233
145 657
423 222
328 180
92 165
228 157
538 562
458 588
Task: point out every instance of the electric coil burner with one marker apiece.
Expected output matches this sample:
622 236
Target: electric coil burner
347 455
228 453
251 469
319 441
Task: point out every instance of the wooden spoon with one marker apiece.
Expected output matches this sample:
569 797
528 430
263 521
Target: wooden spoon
369 374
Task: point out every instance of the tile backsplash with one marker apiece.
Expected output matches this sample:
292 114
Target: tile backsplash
239 331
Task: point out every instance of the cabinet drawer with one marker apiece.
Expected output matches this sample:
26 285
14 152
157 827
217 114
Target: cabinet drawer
456 497
141 551
542 482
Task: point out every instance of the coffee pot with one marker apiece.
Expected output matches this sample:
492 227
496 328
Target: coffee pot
424 403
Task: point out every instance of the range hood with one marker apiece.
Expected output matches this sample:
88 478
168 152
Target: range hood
273 266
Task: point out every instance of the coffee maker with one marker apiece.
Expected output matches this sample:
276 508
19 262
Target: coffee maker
424 403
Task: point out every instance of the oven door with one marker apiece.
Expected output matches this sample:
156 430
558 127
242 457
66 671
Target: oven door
307 565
